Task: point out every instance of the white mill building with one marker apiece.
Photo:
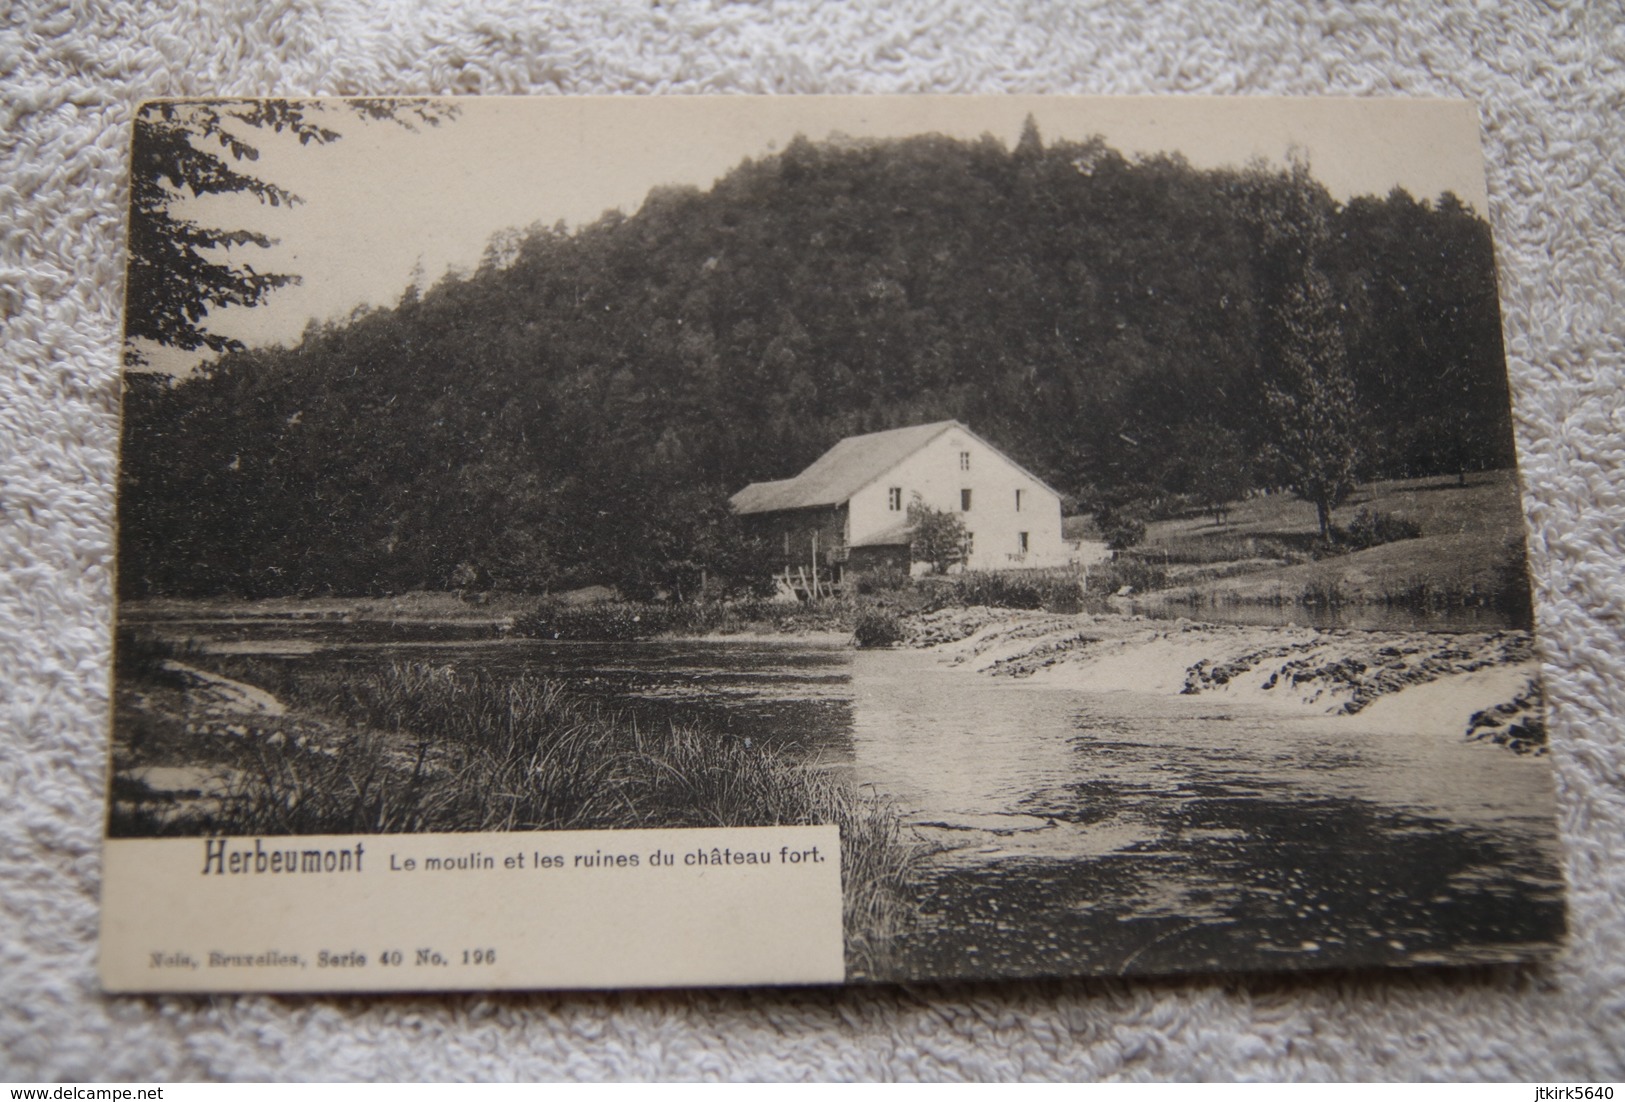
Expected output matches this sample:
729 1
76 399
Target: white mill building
849 510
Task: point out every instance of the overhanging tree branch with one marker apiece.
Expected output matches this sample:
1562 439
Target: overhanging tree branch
185 149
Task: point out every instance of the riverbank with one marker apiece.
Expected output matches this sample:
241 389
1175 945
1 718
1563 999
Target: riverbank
593 615
414 607
414 747
1423 548
1486 685
960 727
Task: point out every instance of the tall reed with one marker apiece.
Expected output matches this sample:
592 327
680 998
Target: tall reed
432 749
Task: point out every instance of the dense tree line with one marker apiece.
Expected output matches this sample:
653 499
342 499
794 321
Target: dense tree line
580 408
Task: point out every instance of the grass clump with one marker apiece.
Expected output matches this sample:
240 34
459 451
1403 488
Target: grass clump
1051 590
877 627
412 747
620 621
1372 527
1139 574
887 580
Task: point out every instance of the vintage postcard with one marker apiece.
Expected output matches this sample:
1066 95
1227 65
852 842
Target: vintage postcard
651 541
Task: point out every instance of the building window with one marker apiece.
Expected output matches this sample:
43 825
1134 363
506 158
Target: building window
1018 501
964 501
1021 542
894 499
964 461
970 544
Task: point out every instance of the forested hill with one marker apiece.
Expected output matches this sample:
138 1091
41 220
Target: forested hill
580 407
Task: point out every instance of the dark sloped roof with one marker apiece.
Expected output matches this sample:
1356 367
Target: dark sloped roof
840 472
897 534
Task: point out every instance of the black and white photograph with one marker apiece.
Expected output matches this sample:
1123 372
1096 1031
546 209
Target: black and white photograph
1105 512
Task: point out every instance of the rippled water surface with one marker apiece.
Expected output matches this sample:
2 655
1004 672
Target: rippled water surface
1112 832
1128 832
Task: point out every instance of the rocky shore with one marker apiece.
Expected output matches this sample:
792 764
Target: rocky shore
1485 685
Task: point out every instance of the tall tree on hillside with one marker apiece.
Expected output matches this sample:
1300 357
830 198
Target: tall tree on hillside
179 269
578 409
1030 146
1315 446
1418 280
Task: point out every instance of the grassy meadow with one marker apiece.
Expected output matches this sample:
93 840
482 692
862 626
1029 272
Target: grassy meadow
1469 553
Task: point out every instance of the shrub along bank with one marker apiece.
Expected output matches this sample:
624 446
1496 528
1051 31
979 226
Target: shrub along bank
871 612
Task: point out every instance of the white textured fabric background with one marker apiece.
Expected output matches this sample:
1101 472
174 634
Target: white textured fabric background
1550 83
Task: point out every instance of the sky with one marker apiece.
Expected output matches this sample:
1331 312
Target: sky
383 202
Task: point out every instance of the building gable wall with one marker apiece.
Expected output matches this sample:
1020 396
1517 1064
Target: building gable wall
935 472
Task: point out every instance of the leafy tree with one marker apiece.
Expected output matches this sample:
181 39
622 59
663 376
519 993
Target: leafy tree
682 545
1315 445
577 409
1212 468
1424 335
937 537
175 274
1121 521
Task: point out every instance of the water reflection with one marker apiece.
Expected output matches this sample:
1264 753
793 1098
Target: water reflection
786 693
1076 831
1138 833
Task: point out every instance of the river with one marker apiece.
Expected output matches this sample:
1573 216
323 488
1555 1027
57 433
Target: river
1101 832
1131 832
